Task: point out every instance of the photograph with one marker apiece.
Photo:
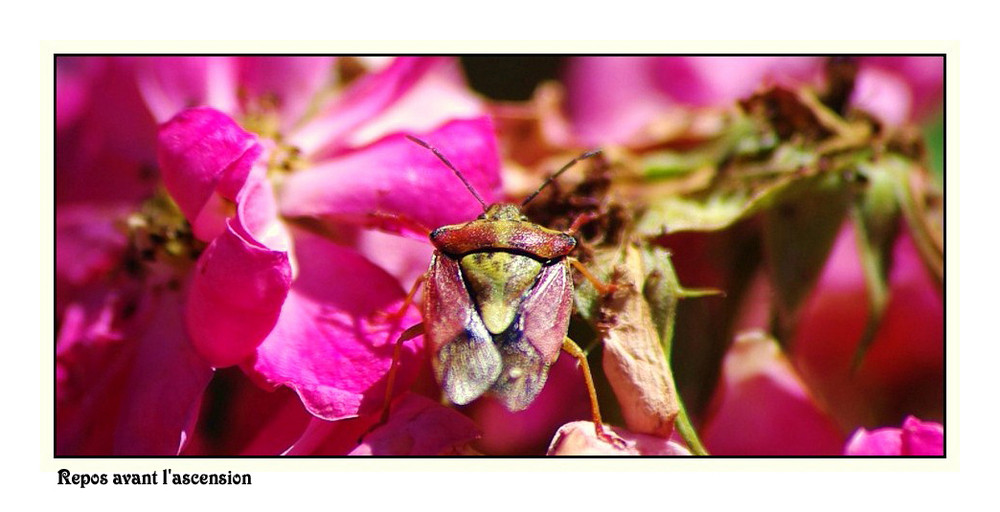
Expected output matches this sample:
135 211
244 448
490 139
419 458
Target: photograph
502 256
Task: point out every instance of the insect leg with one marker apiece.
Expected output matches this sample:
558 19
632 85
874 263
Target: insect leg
390 380
405 336
602 287
393 222
574 350
392 317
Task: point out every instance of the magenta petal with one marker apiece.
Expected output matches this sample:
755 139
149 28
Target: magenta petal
172 84
419 426
883 94
363 101
924 77
237 417
395 176
164 387
580 438
883 441
922 437
75 79
93 357
440 95
762 407
611 99
330 344
915 438
290 83
236 295
706 81
88 241
106 139
202 151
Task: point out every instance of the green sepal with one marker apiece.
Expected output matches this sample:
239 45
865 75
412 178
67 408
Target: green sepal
876 215
800 225
662 290
922 208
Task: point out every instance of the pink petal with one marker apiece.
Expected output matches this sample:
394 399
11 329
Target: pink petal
883 94
924 77
238 417
395 176
919 438
708 81
363 101
922 437
164 386
93 357
290 83
203 152
257 218
127 379
236 295
883 441
611 99
405 258
761 406
89 241
330 344
322 437
172 84
903 371
90 247
419 426
106 141
75 78
440 95
580 438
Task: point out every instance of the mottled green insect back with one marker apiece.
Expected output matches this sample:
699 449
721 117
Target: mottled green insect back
498 282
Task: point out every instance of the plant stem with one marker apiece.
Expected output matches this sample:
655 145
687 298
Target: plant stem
687 431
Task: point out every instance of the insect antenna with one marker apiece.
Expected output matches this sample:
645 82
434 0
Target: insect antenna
555 175
450 166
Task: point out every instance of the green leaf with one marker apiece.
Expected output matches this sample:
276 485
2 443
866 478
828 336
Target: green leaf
800 226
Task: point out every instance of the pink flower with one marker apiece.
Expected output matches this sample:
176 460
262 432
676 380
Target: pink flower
420 426
762 407
915 438
903 370
296 307
900 89
620 99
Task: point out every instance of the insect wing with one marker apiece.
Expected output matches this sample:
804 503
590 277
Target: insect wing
533 343
466 362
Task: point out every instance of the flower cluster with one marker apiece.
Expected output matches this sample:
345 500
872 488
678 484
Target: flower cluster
236 238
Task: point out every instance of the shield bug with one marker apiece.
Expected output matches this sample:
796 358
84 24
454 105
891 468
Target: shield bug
497 303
